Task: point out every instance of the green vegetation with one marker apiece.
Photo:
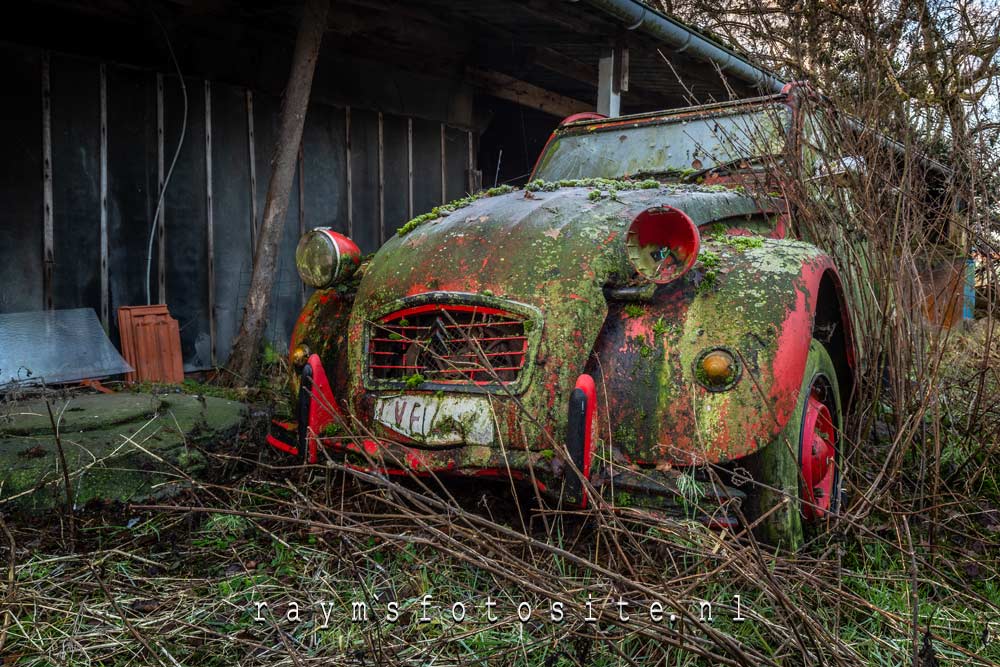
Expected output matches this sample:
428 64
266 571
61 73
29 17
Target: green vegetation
710 262
661 329
271 356
414 381
332 430
634 310
445 209
742 243
709 259
599 184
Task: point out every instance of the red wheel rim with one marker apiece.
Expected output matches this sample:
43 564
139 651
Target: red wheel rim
818 457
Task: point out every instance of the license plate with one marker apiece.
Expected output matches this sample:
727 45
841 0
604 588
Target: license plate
438 420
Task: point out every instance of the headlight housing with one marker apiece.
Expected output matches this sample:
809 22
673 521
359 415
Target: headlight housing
325 257
662 244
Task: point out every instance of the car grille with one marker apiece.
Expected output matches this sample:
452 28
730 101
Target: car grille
454 344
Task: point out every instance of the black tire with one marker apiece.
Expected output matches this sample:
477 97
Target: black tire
776 468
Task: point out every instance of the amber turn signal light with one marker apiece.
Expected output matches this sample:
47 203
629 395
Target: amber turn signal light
717 370
300 355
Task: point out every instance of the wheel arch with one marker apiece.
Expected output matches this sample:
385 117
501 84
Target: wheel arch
832 328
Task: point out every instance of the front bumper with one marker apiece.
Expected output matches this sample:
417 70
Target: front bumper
322 428
323 431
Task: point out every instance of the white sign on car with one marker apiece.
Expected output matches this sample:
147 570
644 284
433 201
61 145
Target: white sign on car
447 419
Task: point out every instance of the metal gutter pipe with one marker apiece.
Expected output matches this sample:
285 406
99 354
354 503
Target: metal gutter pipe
637 16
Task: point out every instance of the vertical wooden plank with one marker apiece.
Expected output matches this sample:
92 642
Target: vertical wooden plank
302 206
161 276
105 295
75 163
350 190
381 179
444 170
48 236
471 166
409 168
253 176
210 219
302 189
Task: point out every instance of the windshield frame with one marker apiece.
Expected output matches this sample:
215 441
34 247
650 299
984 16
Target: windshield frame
706 111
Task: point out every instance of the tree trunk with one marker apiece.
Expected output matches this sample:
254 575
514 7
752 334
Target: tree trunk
243 360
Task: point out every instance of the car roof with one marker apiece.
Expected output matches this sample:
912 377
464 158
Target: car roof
592 124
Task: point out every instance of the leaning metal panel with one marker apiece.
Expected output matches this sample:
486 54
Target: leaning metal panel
56 346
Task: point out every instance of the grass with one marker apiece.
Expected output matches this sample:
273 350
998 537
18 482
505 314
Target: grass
187 578
905 566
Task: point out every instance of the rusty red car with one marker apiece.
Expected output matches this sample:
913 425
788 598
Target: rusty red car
638 322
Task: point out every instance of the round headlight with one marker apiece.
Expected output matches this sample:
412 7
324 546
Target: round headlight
300 355
717 369
324 257
662 243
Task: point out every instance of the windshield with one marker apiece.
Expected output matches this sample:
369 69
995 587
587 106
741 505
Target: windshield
672 147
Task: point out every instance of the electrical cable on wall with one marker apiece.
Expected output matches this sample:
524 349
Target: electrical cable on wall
173 162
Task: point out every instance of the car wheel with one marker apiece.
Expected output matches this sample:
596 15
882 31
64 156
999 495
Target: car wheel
798 474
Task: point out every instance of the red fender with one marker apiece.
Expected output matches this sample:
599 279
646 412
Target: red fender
585 383
322 405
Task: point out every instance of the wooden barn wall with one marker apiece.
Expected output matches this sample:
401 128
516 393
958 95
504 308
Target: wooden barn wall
98 257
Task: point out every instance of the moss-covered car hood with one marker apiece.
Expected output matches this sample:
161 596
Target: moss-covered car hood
552 250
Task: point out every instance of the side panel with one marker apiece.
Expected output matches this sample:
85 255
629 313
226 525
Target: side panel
757 303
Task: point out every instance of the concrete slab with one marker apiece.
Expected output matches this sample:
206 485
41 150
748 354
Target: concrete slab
118 447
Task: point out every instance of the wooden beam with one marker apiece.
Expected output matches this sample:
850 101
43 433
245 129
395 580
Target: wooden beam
252 161
48 235
105 290
444 169
302 207
381 179
609 97
561 64
526 94
347 164
161 254
210 220
409 168
302 189
470 167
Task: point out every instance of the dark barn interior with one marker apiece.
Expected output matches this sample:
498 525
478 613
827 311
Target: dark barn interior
413 104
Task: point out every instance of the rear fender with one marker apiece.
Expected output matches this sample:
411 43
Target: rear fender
758 303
